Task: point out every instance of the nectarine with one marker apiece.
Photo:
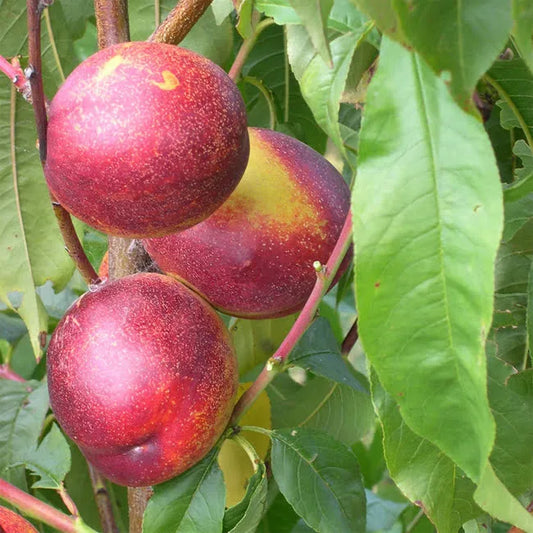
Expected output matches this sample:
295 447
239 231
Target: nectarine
142 376
11 522
145 139
254 256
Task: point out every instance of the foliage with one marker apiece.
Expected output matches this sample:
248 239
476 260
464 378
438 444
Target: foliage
433 405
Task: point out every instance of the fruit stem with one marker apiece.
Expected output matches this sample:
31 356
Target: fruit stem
41 511
72 243
180 21
111 22
246 47
324 279
15 73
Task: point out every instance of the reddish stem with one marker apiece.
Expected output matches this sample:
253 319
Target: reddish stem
15 73
324 279
350 339
37 509
7 373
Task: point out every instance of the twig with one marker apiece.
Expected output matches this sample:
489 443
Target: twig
15 73
180 21
137 500
350 339
103 501
72 243
325 276
111 22
246 48
7 373
41 511
414 521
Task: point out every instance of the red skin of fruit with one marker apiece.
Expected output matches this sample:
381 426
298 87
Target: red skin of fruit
254 256
142 376
11 522
145 139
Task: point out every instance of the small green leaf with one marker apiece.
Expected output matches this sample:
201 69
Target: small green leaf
427 221
318 352
24 407
320 478
245 24
246 515
193 502
524 175
314 16
50 461
280 10
514 83
221 10
380 513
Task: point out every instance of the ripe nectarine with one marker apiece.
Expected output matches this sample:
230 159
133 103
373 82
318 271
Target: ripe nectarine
254 256
11 522
142 376
145 139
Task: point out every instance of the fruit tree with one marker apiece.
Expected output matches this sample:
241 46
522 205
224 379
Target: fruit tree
266 266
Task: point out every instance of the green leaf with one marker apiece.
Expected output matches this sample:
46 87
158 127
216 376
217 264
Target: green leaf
380 513
245 25
470 36
76 13
514 83
280 516
343 412
50 461
221 10
492 496
524 183
320 478
318 352
322 86
421 471
24 407
384 15
280 10
12 328
523 29
427 223
193 502
257 340
314 16
31 248
511 400
246 515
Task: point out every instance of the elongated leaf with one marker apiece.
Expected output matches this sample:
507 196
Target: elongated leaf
318 352
50 461
190 503
246 515
314 16
524 175
470 37
24 406
514 83
421 471
320 479
322 86
385 16
523 29
31 248
342 411
427 222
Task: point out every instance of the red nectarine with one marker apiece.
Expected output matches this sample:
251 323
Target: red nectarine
254 256
142 376
145 139
11 522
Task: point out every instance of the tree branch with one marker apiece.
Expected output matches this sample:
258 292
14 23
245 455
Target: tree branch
111 22
350 339
180 21
103 502
14 72
7 373
325 276
72 243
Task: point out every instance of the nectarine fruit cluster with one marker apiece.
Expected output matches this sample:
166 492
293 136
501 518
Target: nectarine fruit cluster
150 141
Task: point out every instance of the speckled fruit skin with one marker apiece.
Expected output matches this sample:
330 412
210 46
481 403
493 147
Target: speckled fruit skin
142 376
11 522
254 256
145 139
